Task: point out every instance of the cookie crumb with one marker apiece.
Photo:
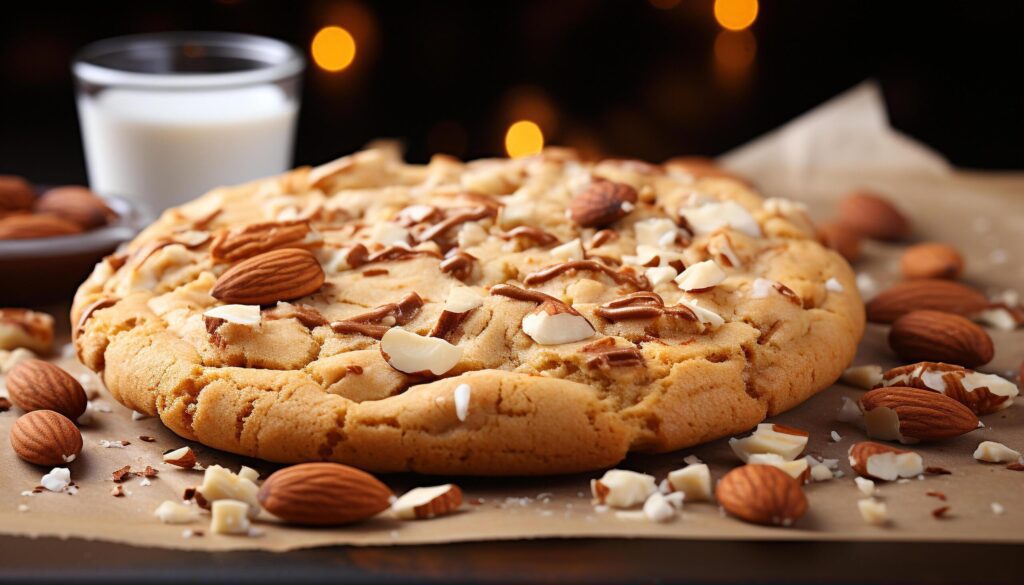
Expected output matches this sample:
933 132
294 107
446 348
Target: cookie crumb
997 508
118 491
113 444
146 439
936 470
122 474
935 494
941 512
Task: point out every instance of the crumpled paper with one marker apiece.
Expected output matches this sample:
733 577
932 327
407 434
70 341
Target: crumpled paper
844 144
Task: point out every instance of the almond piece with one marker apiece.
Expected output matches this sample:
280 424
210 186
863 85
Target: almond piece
220 484
940 337
16 194
701 276
932 260
993 452
229 517
258 238
182 457
428 502
878 461
554 323
280 275
982 393
761 494
602 203
620 488
911 414
26 328
693 480
925 294
417 355
37 385
782 440
76 204
323 494
842 239
25 227
45 437
873 216
798 469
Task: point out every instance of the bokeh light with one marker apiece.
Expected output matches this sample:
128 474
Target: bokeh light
735 53
523 139
333 49
736 14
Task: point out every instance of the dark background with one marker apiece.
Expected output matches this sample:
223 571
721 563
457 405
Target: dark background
622 77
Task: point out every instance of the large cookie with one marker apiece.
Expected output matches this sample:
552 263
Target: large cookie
530 315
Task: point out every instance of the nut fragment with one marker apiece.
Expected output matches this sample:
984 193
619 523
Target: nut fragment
25 227
761 494
248 315
229 517
711 217
554 323
37 385
602 203
693 480
797 468
909 415
221 484
182 457
931 260
45 437
620 488
993 452
982 393
24 328
418 355
940 337
866 486
864 377
873 512
877 461
170 512
700 276
428 502
323 494
787 442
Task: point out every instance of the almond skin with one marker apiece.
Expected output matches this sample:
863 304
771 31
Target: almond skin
925 294
933 336
761 494
931 260
280 275
76 204
862 451
241 243
601 203
842 239
873 216
923 415
45 437
25 227
324 494
38 385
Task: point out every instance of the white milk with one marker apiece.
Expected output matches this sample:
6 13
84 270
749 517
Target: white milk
166 147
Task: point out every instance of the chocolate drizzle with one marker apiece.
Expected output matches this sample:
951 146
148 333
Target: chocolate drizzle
619 276
532 296
608 356
602 237
642 305
458 263
537 235
473 214
398 253
372 324
92 308
789 294
308 316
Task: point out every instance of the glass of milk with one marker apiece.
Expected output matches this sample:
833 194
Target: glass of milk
168 116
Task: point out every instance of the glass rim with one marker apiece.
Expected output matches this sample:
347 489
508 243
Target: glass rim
282 61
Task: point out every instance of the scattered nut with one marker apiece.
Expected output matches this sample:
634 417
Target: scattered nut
877 461
940 337
37 385
182 457
693 480
925 294
620 488
417 355
863 377
993 452
428 502
932 260
781 440
24 328
45 437
873 216
840 238
910 415
323 494
761 494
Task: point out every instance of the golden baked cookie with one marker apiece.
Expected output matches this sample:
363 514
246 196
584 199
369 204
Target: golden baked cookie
530 316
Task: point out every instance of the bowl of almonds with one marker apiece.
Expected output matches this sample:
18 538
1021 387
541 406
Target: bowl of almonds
50 237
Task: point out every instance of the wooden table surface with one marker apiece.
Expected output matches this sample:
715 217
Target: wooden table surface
560 561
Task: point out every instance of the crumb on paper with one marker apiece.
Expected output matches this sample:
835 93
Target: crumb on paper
57 480
23 507
997 508
106 444
835 437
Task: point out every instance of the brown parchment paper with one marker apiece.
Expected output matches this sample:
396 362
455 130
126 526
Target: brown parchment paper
844 144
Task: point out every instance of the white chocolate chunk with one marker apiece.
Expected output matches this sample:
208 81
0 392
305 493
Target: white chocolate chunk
770 438
993 452
221 484
701 276
712 216
248 315
390 234
864 377
462 299
547 325
660 275
658 509
873 512
865 485
413 354
170 512
694 481
657 232
821 472
57 480
619 488
229 517
248 473
833 285
795 468
571 250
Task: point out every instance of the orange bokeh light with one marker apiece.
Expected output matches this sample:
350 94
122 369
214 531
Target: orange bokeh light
524 138
736 14
333 49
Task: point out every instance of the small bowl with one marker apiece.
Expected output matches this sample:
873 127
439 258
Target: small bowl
43 270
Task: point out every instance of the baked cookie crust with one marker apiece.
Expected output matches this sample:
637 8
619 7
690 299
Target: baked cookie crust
550 328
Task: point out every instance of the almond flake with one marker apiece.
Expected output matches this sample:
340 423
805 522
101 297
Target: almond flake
993 452
462 397
701 276
712 216
247 315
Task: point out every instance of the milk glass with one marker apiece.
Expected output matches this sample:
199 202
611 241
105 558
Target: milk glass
165 117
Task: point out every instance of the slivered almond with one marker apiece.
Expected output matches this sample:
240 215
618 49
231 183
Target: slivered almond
428 502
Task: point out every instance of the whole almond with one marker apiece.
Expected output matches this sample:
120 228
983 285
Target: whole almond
602 203
925 294
244 242
873 216
45 437
38 385
75 204
279 275
761 494
324 494
923 415
840 238
16 194
25 227
860 453
934 336
931 260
